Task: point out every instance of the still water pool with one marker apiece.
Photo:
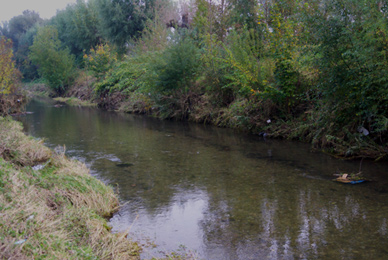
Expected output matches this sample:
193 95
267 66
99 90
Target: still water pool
214 193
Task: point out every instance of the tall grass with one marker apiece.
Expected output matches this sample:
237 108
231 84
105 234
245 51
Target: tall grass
57 212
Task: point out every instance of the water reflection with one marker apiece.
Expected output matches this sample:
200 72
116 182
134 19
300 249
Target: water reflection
220 194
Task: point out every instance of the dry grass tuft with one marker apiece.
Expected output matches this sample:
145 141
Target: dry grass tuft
57 212
19 149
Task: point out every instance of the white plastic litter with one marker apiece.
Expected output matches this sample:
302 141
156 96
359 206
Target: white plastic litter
40 166
20 242
363 130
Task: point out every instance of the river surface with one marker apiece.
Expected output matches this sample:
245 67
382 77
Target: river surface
212 193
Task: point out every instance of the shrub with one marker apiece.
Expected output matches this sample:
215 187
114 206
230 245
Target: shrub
100 60
176 68
126 76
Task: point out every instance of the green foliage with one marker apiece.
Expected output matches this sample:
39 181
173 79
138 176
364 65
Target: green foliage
244 12
126 76
55 64
123 20
236 67
176 68
154 37
79 26
204 18
21 29
242 53
283 36
100 60
27 68
10 100
212 53
9 75
212 17
353 63
20 24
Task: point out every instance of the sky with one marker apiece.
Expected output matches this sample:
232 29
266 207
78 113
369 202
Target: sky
45 8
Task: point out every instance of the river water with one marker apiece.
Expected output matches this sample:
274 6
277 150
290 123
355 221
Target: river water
212 193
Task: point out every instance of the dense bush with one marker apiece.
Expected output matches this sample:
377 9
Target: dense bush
353 65
176 68
100 60
126 76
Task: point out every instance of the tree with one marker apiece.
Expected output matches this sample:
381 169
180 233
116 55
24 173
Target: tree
244 12
123 20
9 75
55 65
9 78
213 17
79 27
23 62
4 31
20 24
20 30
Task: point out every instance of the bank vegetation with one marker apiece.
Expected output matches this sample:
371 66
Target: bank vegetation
313 71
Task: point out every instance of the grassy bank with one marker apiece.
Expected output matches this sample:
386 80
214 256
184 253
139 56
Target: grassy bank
56 211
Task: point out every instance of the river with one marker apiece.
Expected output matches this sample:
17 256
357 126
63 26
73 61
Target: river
213 193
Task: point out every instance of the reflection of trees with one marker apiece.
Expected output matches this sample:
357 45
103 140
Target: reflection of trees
287 223
259 206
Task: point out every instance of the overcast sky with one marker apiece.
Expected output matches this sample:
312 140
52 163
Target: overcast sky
45 8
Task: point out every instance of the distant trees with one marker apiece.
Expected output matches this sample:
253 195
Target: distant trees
21 29
79 27
20 24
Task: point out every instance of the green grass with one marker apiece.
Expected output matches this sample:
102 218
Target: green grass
73 101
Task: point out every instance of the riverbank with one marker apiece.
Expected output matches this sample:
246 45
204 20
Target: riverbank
51 207
250 115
